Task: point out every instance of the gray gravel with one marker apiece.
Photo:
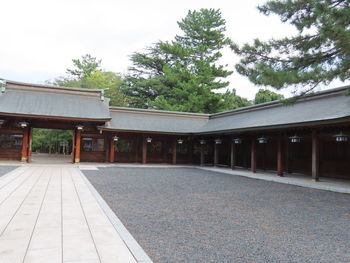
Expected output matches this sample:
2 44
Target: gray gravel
5 169
190 215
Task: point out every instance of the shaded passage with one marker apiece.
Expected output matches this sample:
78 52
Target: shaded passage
191 215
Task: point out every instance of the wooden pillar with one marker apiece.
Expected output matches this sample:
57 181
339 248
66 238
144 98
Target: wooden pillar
216 154
253 156
30 139
202 154
25 145
112 150
174 151
287 155
233 154
144 151
73 146
280 156
315 156
136 148
77 146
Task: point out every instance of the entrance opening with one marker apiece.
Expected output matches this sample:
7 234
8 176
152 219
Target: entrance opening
51 146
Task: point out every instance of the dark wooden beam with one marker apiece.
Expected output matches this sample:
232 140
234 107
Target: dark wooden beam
216 154
280 156
202 154
77 146
174 151
30 139
315 156
233 155
144 151
253 155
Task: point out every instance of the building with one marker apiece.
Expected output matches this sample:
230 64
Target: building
309 137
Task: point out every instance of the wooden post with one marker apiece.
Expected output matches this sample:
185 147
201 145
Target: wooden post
112 150
253 156
233 154
315 156
30 139
144 151
202 154
77 146
216 154
73 146
280 157
136 148
287 155
174 151
25 145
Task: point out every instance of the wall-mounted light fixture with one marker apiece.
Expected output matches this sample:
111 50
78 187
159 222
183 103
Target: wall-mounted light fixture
218 141
2 122
115 138
149 139
237 141
79 127
202 142
262 139
341 137
295 139
180 141
23 124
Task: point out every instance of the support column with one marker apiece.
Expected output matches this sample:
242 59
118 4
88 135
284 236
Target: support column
174 151
287 155
280 156
144 151
233 155
77 146
202 154
73 146
136 148
253 156
25 145
112 150
315 156
216 154
30 139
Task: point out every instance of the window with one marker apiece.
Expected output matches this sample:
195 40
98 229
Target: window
92 145
11 141
125 146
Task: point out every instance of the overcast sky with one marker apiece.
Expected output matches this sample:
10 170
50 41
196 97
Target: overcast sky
39 38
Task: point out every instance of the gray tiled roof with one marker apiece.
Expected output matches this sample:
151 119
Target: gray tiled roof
50 104
325 106
148 121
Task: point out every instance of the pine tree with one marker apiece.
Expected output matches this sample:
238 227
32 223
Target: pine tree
318 54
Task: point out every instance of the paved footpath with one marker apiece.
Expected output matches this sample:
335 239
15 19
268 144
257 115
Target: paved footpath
48 214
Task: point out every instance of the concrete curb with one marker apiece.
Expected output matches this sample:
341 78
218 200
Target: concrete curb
283 180
134 247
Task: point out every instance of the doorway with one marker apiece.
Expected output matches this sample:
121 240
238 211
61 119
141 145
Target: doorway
51 146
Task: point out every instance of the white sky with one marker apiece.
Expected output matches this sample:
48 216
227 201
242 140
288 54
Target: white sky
39 38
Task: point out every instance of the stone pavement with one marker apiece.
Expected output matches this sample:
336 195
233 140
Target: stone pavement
48 214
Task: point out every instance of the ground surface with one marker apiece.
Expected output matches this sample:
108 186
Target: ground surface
191 215
48 214
5 169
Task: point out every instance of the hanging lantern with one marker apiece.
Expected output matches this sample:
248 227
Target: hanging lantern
218 141
237 141
262 139
149 139
23 124
295 139
115 138
79 127
341 137
180 141
202 142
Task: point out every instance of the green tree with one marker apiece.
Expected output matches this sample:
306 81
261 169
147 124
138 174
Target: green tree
318 53
183 74
87 74
265 95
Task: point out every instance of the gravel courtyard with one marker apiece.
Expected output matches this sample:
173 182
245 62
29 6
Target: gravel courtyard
5 169
190 215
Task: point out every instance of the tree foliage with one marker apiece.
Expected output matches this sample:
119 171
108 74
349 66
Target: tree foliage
265 95
184 74
47 141
318 53
88 74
